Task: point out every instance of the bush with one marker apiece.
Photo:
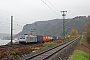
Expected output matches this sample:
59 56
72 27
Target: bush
88 39
13 52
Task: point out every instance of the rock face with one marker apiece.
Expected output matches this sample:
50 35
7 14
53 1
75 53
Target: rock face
54 27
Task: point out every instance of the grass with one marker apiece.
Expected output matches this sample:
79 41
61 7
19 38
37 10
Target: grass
14 53
80 55
80 42
83 38
47 44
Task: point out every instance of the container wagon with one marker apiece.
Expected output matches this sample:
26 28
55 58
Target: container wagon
37 38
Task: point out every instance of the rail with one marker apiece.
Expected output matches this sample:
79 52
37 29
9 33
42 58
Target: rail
45 55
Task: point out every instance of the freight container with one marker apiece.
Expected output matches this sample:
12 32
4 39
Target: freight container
54 37
46 38
39 38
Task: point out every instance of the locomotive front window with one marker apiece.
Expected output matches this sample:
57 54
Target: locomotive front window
22 37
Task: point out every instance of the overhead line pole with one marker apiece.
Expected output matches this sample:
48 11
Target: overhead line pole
11 29
63 14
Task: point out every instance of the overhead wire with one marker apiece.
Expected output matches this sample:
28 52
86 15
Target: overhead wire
50 8
6 24
18 24
52 5
16 16
2 26
7 21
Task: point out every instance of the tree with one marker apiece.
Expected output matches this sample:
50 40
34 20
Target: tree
88 31
73 33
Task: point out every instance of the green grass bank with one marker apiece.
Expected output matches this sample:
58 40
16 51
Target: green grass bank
80 55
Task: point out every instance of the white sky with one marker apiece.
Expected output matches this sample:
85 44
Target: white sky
29 11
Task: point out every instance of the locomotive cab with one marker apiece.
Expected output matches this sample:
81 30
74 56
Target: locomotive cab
23 39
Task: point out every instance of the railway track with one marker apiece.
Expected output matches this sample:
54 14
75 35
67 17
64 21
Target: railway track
45 55
16 46
9 46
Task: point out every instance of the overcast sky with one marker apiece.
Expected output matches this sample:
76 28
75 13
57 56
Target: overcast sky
29 11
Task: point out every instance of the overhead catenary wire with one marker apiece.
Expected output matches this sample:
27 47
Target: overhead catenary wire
2 26
50 8
6 25
52 5
20 23
16 17
16 23
8 21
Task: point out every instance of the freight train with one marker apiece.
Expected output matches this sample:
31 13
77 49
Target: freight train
36 38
